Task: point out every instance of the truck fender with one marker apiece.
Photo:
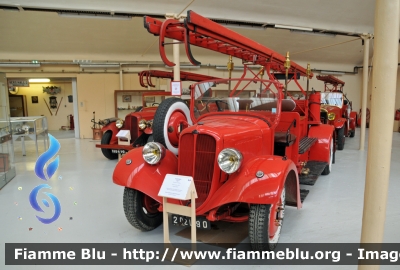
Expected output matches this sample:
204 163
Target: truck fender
244 186
114 130
353 120
339 122
320 150
133 172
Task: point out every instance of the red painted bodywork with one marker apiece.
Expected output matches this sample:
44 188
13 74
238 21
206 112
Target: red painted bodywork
131 122
142 176
146 113
338 122
255 134
342 115
320 150
353 120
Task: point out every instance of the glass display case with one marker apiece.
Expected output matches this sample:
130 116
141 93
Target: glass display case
7 168
29 127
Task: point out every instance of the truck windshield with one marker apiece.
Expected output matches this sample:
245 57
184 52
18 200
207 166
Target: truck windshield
251 96
332 98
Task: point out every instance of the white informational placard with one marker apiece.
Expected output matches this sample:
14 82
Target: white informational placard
177 187
176 88
123 134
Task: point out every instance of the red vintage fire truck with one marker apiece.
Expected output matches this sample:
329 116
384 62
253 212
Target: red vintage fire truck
245 142
139 123
336 109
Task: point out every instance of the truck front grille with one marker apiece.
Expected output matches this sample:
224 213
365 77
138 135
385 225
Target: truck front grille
197 159
134 128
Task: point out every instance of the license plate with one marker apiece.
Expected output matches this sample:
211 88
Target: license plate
118 151
201 222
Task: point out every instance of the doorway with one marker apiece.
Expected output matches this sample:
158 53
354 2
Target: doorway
18 106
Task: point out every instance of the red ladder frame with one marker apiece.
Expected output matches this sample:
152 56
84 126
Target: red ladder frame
185 76
332 84
202 32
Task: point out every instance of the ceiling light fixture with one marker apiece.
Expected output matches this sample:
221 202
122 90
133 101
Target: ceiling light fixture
94 16
291 27
42 80
19 65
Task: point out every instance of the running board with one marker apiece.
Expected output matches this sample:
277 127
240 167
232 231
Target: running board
305 144
316 168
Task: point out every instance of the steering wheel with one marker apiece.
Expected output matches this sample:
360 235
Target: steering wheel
155 103
217 102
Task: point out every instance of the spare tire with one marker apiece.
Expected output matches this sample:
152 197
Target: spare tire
171 117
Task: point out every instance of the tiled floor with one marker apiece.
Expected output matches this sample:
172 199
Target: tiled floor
332 211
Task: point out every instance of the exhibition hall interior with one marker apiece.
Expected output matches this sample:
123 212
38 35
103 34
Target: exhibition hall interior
258 128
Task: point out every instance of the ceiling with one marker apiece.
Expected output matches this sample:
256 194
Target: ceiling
47 36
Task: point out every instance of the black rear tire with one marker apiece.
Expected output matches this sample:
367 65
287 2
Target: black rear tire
138 214
352 133
340 139
106 140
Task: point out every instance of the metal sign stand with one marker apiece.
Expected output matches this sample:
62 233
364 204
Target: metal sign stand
181 188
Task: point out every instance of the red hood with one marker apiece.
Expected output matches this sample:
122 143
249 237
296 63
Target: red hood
332 109
245 133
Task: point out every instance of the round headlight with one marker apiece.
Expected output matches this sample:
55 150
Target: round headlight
153 152
119 123
142 124
229 160
331 116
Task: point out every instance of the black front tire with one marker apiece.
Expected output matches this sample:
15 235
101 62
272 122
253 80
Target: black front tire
106 140
340 139
136 213
352 133
259 224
